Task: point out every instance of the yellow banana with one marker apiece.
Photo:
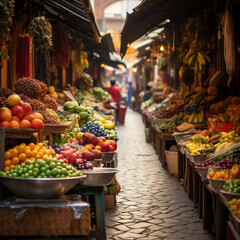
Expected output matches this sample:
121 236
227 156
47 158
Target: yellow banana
201 56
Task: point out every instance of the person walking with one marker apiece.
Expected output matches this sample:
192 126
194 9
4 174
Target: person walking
115 92
130 93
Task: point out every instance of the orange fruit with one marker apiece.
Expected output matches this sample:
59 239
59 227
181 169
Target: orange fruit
32 159
48 152
23 144
7 162
15 161
38 116
28 152
40 145
98 147
6 169
14 152
31 145
40 155
7 155
11 166
21 149
34 153
22 157
88 147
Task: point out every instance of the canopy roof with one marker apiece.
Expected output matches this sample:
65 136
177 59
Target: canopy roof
76 14
151 14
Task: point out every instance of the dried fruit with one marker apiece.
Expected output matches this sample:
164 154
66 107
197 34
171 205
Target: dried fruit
48 118
5 92
50 102
29 87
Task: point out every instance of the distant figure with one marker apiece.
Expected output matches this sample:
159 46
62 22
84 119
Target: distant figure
147 94
115 92
130 93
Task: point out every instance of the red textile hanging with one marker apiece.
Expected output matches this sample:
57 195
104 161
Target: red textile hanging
23 56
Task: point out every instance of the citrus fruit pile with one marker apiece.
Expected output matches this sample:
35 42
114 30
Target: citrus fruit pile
48 168
22 153
234 205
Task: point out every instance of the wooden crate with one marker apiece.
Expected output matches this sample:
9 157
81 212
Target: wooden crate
109 201
44 222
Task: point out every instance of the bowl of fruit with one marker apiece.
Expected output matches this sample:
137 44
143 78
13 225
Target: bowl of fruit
217 179
42 179
231 189
99 176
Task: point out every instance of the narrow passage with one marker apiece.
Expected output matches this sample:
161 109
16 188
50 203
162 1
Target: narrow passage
151 205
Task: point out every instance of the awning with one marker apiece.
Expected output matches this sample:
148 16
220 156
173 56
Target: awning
108 58
76 14
148 15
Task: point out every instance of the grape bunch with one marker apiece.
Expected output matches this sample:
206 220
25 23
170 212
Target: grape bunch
94 128
225 163
83 164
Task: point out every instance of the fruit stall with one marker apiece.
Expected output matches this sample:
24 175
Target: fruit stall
203 143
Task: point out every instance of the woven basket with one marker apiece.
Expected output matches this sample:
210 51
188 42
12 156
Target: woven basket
44 222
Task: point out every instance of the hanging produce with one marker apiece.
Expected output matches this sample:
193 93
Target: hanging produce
6 14
23 56
41 30
229 46
61 55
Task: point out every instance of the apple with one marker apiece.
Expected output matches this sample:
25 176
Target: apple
94 140
27 109
86 138
15 119
59 156
65 154
80 142
65 160
28 117
105 147
72 157
17 111
111 147
5 124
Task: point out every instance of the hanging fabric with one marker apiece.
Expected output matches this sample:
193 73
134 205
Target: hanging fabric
23 56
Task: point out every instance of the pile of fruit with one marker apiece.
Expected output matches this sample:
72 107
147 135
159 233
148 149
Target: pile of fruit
226 140
23 153
49 168
232 186
226 174
198 142
167 124
234 205
91 142
112 189
196 117
100 94
19 115
93 128
168 113
85 113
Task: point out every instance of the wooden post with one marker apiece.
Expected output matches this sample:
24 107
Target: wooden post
64 81
4 73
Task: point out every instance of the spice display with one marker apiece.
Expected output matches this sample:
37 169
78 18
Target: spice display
23 56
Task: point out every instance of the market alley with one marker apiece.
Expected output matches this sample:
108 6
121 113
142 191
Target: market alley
151 204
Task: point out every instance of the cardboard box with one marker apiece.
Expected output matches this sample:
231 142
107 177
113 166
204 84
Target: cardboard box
109 201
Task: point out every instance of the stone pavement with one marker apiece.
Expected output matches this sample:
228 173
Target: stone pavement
151 205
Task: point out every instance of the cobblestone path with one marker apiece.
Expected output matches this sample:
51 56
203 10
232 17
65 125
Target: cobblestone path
151 205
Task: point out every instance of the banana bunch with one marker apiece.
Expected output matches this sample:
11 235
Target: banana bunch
197 143
196 117
197 60
188 96
226 140
84 59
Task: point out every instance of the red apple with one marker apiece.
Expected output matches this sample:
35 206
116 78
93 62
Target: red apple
105 147
80 142
59 156
37 124
28 117
86 138
111 147
27 109
65 160
17 111
94 140
72 157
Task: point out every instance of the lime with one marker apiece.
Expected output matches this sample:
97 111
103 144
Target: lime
52 165
43 175
62 176
54 171
29 167
9 175
14 174
28 162
39 176
43 169
68 167
42 164
64 171
47 160
30 172
36 169
24 170
4 174
36 165
26 175
48 172
58 176
61 161
35 173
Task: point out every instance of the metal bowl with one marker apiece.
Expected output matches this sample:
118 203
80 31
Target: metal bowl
40 187
107 157
99 176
